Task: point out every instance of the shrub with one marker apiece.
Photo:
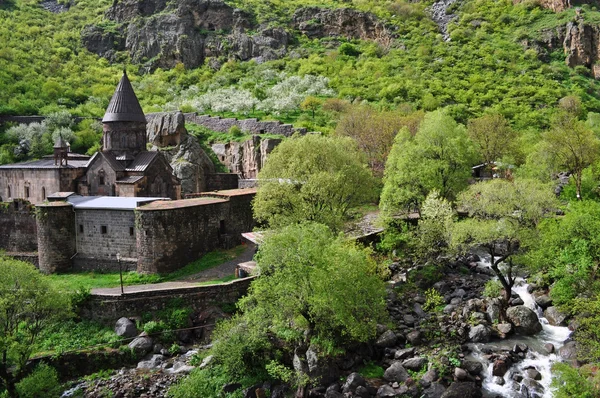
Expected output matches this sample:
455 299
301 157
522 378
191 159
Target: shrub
42 383
433 299
349 49
235 131
572 382
493 288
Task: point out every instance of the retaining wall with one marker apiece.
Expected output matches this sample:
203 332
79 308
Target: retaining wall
216 123
108 308
18 229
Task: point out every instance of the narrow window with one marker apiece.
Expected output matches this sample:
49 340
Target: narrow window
81 228
130 231
43 193
27 192
222 226
9 195
101 182
103 229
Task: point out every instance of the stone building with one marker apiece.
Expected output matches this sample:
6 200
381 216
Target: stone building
149 235
124 167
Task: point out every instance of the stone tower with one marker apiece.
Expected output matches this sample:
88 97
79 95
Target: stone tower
124 123
61 152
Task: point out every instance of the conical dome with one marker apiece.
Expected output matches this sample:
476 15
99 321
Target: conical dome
60 143
124 105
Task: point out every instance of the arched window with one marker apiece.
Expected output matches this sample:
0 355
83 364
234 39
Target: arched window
43 193
9 194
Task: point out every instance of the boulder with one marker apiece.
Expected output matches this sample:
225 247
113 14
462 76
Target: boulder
387 339
396 372
429 377
386 391
415 364
542 299
404 353
125 327
462 390
568 351
415 338
480 334
504 329
549 348
153 363
435 390
493 310
524 319
142 344
353 381
473 367
555 317
460 374
532 373
500 367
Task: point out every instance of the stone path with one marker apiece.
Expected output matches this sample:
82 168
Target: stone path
217 272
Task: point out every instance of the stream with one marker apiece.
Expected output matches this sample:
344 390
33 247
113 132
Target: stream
537 355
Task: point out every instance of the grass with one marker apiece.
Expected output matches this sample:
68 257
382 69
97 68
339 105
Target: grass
89 280
371 371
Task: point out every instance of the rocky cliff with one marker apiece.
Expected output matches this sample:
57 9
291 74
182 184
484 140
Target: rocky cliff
561 5
166 132
579 40
161 33
245 158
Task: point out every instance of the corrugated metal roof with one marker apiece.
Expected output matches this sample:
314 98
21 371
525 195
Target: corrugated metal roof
109 202
124 105
129 180
47 164
112 161
142 161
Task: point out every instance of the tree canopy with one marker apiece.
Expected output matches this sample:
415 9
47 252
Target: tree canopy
312 178
439 157
28 303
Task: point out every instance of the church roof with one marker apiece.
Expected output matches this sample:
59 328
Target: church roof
124 105
142 161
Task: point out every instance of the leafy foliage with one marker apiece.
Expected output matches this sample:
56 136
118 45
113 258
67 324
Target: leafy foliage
312 178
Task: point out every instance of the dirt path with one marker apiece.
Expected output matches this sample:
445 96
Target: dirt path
217 272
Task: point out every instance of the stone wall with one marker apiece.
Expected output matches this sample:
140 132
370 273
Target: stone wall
18 228
101 234
56 236
173 234
108 308
221 181
39 182
253 126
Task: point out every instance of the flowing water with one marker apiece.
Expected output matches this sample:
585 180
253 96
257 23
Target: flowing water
537 356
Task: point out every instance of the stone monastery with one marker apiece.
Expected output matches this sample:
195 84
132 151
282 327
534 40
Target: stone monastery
120 208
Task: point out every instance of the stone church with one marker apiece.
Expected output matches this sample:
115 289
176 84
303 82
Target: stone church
123 167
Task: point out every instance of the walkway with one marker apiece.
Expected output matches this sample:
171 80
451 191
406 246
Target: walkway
217 272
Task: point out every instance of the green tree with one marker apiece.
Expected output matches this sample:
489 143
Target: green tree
492 136
28 303
431 236
312 104
312 178
314 289
571 145
503 216
439 157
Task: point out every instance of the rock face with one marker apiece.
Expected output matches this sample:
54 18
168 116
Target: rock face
524 319
246 158
560 5
317 22
167 133
161 33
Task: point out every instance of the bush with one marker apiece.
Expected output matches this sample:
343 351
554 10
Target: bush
571 382
235 131
349 49
433 299
493 289
42 383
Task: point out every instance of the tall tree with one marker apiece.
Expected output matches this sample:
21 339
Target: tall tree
439 157
28 303
503 220
492 135
571 145
374 131
312 178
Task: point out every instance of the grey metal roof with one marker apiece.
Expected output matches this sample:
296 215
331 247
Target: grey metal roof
142 161
111 160
109 202
124 105
129 180
47 164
